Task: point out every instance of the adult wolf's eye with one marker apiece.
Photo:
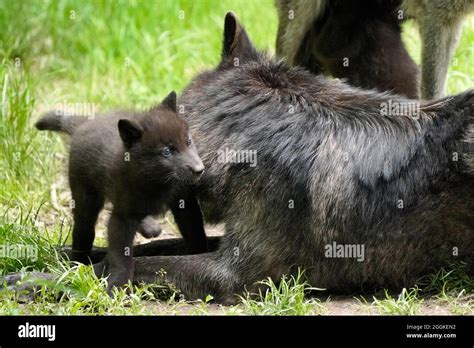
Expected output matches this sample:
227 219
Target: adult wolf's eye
166 152
188 142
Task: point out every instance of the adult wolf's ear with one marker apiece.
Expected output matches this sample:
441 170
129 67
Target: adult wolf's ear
130 132
170 101
237 46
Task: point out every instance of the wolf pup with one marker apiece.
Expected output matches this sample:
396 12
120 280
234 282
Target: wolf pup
138 161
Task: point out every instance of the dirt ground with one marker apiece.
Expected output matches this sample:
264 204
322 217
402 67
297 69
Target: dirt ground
334 307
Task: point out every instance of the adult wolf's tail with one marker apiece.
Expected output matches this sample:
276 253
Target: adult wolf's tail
57 122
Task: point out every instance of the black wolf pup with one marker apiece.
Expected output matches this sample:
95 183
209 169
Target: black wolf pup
140 162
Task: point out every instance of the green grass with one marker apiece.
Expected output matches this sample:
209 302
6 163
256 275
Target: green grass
25 178
288 297
406 303
124 53
79 292
452 286
128 54
26 246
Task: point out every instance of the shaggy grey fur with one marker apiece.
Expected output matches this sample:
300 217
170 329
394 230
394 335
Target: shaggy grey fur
397 184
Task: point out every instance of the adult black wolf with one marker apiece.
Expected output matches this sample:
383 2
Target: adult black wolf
335 166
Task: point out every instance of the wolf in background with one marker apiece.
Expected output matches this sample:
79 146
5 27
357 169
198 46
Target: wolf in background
321 34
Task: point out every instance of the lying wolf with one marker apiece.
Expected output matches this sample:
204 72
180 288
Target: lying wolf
338 169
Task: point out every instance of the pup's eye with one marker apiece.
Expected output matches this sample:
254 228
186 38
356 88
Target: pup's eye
188 142
166 152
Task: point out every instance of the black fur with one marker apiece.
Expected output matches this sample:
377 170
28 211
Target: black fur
327 147
365 34
142 163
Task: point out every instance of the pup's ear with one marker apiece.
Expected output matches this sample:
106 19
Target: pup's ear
237 46
170 101
130 132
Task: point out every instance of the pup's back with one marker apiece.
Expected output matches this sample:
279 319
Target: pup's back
95 147
95 143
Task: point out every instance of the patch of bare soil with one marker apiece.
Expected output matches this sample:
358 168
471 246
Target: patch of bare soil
334 307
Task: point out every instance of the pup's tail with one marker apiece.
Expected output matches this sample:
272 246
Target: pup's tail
57 122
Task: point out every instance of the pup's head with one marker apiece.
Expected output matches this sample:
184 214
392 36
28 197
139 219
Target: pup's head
160 144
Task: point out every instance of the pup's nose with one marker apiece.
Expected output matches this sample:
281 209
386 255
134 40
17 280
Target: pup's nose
197 170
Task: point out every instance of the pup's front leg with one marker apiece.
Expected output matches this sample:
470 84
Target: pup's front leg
121 231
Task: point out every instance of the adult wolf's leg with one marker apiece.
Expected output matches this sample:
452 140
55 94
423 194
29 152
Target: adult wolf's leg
221 273
195 275
439 41
188 217
164 247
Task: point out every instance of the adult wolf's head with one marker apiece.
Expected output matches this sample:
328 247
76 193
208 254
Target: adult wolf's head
319 133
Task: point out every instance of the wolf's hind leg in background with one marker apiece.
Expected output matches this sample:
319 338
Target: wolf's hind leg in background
438 46
161 247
